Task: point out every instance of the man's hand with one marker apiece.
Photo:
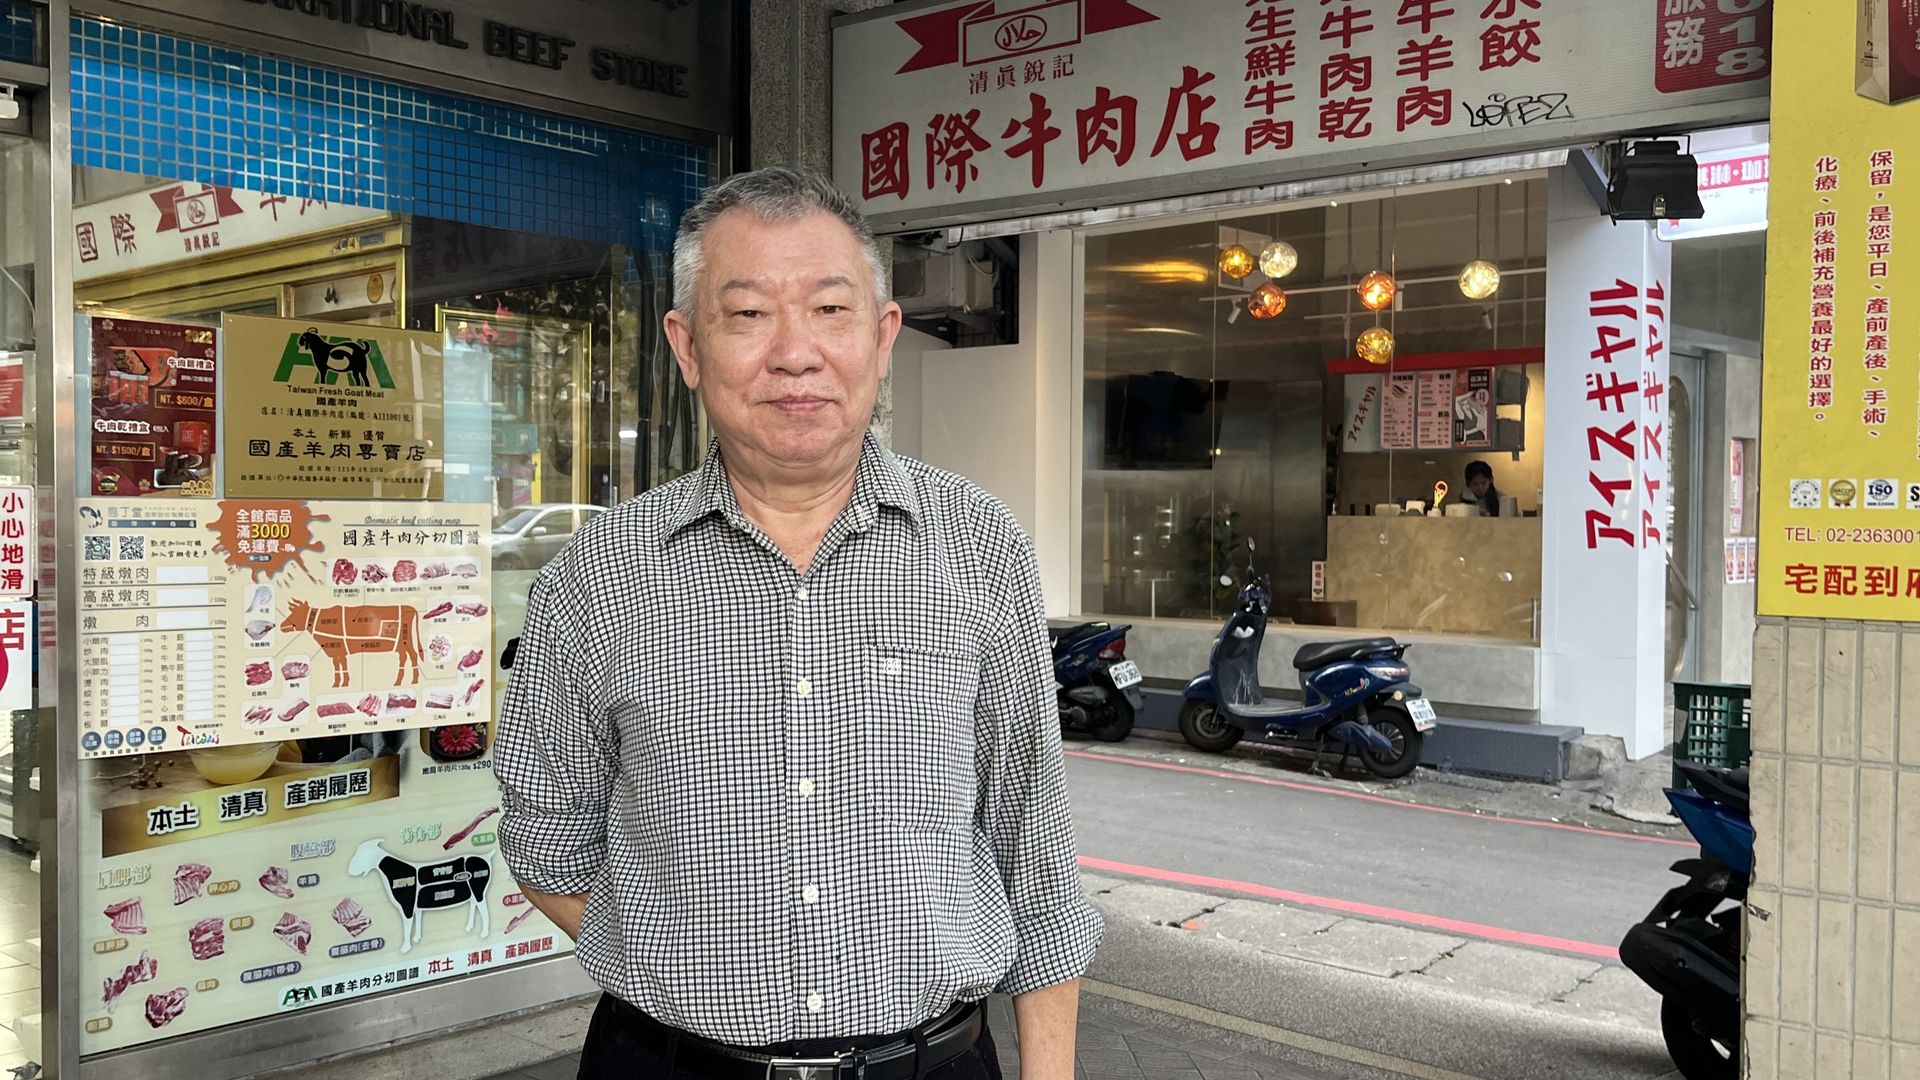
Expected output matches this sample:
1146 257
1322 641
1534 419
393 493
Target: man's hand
563 910
1047 1020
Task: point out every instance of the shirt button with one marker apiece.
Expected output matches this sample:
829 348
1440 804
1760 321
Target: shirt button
800 593
804 687
815 1003
810 894
806 788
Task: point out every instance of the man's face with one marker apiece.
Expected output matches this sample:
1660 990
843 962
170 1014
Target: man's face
784 342
1479 485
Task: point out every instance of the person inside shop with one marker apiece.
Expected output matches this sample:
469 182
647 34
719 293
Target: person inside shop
780 750
1480 489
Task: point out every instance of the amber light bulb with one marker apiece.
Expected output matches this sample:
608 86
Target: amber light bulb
1267 301
1376 291
1375 346
1236 262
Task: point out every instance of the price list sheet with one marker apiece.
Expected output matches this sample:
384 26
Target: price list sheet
156 619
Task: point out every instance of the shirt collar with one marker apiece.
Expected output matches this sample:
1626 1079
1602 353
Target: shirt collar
879 480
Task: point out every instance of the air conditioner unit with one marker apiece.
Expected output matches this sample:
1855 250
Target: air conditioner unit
934 283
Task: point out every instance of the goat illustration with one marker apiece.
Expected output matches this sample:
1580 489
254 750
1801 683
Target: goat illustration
332 358
418 887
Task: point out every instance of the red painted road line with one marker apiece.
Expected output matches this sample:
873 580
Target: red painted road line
1350 907
1117 759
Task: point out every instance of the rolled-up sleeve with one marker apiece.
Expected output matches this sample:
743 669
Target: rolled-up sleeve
552 756
1023 798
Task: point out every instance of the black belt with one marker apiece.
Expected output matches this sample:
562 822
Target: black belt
946 1037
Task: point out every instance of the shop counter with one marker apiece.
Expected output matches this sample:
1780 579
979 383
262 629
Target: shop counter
1449 575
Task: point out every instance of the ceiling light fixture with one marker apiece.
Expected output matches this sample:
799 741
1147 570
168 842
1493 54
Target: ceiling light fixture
1479 279
1376 291
1236 262
1278 259
1267 302
1375 346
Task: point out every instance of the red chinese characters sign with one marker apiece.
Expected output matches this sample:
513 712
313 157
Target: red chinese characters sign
17 547
1038 102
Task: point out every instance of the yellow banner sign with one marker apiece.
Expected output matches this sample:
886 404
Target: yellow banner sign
1840 495
284 792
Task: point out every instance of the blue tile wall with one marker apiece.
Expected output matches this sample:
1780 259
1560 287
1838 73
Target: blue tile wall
158 105
22 37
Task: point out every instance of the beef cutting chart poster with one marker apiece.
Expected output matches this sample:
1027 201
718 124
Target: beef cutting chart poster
244 622
154 408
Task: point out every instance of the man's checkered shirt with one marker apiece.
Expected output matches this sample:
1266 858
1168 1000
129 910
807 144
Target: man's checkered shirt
805 806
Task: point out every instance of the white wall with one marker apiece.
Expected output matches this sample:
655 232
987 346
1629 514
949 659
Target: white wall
910 355
1002 415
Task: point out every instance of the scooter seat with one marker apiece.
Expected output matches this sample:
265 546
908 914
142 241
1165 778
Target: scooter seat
1322 653
1068 637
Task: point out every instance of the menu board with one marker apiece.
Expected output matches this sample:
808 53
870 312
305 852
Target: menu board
251 621
1398 414
1435 423
154 408
333 410
1473 409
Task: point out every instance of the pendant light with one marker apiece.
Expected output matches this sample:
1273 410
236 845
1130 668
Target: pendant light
1236 262
1267 301
1376 290
1278 259
1375 346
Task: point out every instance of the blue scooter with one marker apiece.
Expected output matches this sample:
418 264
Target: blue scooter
1357 695
1099 688
1688 946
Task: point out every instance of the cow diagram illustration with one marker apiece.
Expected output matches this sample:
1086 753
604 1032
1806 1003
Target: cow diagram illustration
420 887
343 631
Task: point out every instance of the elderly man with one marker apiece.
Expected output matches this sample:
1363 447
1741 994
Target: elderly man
780 750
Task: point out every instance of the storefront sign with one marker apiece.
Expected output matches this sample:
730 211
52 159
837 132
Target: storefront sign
1435 426
155 405
1362 430
1733 194
1399 417
664 60
19 530
332 410
237 624
1840 487
16 657
182 224
942 114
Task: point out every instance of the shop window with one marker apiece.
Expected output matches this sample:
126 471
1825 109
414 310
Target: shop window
1223 406
435 328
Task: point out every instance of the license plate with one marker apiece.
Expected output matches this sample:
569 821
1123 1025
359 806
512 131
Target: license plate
1422 712
1124 674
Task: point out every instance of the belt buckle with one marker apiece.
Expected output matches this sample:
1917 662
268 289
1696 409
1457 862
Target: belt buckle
805 1068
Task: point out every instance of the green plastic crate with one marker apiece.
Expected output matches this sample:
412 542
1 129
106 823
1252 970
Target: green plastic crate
1714 726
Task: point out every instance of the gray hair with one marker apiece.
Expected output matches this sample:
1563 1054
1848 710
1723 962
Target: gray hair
775 193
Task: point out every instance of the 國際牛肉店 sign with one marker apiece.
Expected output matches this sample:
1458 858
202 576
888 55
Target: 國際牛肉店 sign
320 410
943 114
1840 489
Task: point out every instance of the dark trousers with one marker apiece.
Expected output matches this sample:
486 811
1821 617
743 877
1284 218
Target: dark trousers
614 1052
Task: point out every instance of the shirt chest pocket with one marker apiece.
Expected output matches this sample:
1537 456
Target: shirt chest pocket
916 710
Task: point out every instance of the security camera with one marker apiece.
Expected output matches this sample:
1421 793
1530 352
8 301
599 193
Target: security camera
9 105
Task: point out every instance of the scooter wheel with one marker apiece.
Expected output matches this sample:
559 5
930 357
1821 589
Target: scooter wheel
1698 1056
1117 723
1393 722
1206 729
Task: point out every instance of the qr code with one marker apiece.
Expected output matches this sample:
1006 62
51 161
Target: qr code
133 548
99 548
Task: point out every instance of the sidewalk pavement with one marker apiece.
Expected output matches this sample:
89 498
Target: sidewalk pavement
1117 1041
